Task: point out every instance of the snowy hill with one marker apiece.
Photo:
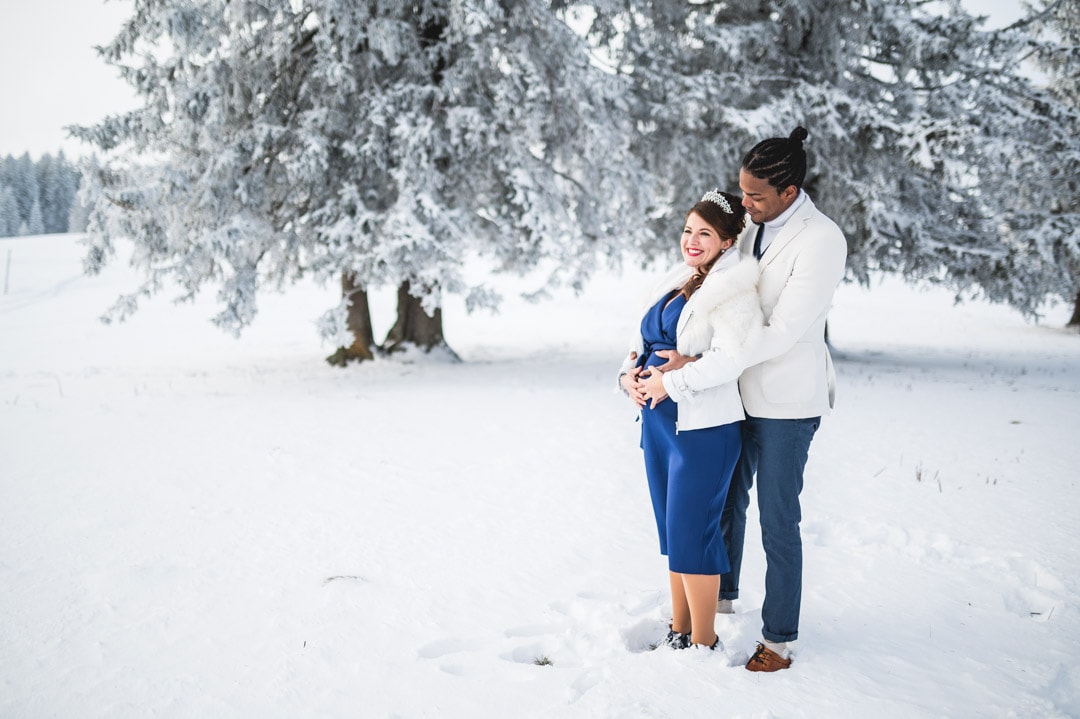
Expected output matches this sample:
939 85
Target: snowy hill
192 525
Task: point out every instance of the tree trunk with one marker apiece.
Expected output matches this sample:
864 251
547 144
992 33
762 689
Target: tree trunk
416 327
359 323
1075 321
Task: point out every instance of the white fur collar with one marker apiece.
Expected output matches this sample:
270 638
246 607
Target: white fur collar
677 277
730 276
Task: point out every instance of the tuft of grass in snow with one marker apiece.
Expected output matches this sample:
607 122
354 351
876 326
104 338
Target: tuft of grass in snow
919 476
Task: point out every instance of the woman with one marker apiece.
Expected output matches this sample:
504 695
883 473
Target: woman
691 415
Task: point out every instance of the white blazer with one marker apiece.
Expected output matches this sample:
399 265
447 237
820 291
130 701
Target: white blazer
720 321
790 373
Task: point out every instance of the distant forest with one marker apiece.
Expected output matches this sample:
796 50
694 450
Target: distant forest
40 198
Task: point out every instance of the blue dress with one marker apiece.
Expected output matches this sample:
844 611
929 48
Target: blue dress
689 472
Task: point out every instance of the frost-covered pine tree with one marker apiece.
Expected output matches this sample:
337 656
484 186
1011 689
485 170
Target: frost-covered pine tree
25 185
51 182
1043 218
1013 144
88 193
35 224
910 107
46 172
7 171
382 143
59 184
9 212
9 207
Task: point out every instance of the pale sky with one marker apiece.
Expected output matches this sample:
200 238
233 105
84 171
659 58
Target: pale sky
52 78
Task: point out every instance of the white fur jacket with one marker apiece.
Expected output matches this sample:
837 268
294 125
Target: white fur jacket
720 324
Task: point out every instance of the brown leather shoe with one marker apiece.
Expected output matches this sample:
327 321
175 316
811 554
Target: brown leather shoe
766 660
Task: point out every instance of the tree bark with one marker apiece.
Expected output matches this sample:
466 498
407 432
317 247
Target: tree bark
359 324
416 327
1075 321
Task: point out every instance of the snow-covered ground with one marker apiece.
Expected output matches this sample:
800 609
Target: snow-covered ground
197 526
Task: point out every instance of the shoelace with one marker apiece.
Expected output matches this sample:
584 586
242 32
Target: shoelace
759 655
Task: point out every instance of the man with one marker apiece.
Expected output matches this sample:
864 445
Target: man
788 384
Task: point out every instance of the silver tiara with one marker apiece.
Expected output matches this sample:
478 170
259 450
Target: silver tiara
716 198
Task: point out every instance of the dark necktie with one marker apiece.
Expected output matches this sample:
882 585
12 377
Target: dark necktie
757 241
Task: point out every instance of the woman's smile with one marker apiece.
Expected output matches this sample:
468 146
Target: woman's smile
701 243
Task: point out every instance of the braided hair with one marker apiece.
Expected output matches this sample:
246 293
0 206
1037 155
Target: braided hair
780 162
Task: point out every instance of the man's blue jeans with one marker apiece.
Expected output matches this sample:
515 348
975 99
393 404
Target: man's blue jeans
775 450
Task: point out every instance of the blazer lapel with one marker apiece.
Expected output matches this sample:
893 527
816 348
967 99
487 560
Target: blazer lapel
788 232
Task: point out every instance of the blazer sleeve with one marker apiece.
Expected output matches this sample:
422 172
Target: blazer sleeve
736 328
716 367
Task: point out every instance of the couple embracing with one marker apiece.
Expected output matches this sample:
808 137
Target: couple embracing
731 375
